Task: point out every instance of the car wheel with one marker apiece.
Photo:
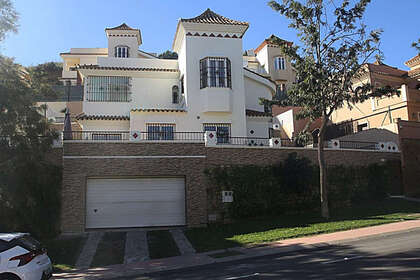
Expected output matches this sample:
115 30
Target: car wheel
9 276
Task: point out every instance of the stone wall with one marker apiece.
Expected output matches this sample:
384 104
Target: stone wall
189 160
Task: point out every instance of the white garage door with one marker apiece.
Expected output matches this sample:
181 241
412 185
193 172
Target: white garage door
143 202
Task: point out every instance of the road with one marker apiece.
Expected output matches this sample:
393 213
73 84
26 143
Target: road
393 256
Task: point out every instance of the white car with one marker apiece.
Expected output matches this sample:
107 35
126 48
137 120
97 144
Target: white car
23 258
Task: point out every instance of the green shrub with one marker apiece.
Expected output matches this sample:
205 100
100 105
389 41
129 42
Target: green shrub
31 200
292 186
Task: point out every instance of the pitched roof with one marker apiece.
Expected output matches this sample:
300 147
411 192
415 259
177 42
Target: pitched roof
273 39
380 68
83 116
121 27
97 67
159 110
211 17
253 113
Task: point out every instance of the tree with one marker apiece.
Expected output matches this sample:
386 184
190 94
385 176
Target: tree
29 183
44 77
8 18
168 55
416 45
335 45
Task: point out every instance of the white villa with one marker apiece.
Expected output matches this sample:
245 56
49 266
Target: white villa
212 86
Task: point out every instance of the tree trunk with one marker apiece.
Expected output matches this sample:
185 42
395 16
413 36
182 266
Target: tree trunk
325 213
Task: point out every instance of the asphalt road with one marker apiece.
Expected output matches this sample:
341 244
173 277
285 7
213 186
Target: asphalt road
394 256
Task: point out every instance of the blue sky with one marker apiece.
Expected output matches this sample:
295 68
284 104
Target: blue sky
48 27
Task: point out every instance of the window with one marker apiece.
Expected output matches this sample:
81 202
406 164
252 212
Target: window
156 131
215 72
280 91
108 89
182 85
362 126
222 131
267 108
121 51
279 63
175 94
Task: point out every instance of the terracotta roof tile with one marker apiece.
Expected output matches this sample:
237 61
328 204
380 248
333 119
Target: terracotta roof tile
96 67
83 116
384 69
273 39
211 17
121 27
159 110
253 113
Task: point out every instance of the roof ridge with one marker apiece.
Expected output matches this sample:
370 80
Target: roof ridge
208 16
122 26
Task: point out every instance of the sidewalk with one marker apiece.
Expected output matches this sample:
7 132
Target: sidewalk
282 246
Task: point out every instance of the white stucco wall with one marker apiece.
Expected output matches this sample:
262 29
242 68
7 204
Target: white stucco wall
200 47
286 120
102 125
253 91
259 125
131 42
138 62
262 57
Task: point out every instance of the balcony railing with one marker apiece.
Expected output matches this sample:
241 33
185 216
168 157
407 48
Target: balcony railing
133 136
358 145
199 137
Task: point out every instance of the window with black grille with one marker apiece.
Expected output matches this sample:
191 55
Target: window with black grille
215 72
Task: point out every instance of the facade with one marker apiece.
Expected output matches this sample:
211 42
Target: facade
385 112
148 128
206 88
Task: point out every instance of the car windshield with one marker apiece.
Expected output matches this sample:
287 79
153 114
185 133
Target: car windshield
29 243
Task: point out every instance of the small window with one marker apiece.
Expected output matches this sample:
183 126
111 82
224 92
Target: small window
362 126
280 91
215 72
156 131
182 85
222 131
175 94
121 51
279 63
267 109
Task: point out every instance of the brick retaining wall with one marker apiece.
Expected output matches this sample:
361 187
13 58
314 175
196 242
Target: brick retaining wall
171 159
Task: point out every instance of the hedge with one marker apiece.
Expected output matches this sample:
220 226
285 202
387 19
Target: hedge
292 186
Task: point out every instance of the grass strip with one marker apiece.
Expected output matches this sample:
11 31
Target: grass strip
161 244
268 229
110 249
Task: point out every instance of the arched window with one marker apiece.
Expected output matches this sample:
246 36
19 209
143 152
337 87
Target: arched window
175 94
121 51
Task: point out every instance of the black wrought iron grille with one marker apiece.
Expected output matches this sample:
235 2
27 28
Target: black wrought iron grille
108 89
215 72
